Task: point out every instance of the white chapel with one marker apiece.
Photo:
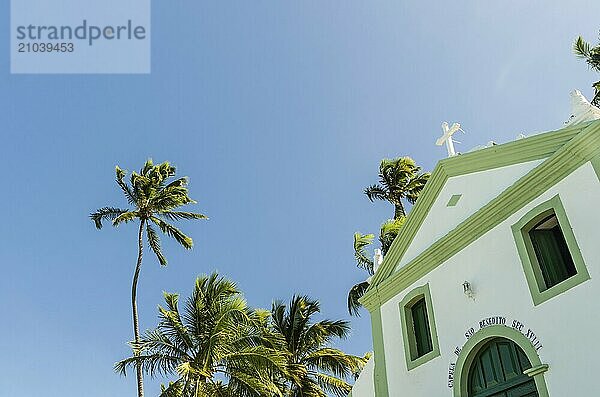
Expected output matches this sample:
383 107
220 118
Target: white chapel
492 287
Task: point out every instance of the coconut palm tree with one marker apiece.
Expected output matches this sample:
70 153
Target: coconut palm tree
591 55
215 347
154 200
399 179
315 368
388 232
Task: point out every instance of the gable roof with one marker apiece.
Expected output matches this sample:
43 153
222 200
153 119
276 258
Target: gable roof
564 151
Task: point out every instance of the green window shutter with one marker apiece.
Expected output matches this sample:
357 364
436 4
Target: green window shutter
556 263
421 328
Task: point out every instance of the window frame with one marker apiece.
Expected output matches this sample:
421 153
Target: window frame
529 260
408 333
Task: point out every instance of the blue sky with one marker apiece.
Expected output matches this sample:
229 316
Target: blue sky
279 112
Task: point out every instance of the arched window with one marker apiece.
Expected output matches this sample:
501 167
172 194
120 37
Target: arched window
549 252
418 327
498 371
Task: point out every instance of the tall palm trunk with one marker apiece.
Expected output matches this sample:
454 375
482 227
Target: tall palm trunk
399 211
136 325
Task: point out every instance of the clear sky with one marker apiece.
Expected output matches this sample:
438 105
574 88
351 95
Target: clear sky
279 112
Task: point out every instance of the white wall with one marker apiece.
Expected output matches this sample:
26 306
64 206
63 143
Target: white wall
441 219
364 385
567 325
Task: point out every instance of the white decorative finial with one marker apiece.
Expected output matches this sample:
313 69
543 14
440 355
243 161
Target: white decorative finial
447 137
581 109
377 259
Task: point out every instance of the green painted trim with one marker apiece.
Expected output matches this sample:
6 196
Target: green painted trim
539 369
380 374
576 152
475 342
454 200
531 266
529 149
408 334
596 165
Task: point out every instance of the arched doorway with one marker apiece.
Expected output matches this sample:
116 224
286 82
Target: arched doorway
497 371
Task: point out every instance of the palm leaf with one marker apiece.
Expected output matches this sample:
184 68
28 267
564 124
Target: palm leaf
179 215
154 243
127 191
334 385
388 233
106 214
355 293
125 217
581 48
172 231
376 192
361 241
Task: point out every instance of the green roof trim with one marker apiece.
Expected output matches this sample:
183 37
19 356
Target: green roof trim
564 150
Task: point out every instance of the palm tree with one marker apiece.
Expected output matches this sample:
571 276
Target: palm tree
591 55
389 231
216 347
399 179
315 368
154 200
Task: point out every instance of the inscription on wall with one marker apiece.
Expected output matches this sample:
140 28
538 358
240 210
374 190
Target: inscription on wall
517 325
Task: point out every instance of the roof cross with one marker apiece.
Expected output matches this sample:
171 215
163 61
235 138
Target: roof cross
447 137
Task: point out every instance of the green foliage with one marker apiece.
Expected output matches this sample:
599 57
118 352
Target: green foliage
314 368
356 292
363 260
399 179
388 232
591 55
155 198
215 346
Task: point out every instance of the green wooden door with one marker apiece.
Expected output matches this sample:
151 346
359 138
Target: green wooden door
497 371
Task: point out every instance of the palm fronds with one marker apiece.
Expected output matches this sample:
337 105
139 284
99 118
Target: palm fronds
155 198
355 293
315 368
363 261
388 232
399 179
215 347
591 55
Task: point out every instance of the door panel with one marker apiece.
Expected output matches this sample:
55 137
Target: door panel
497 371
